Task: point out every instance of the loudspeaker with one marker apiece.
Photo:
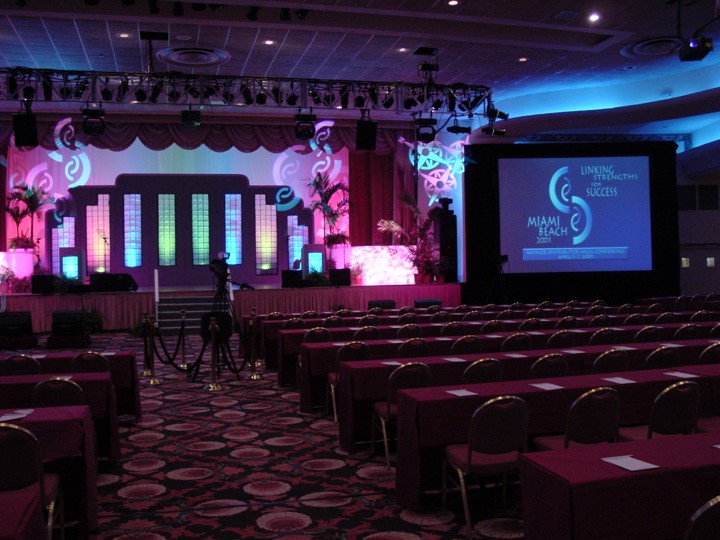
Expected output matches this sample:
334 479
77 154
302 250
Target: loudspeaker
426 303
43 283
366 135
15 324
291 278
105 282
190 118
339 277
385 304
68 323
224 324
25 129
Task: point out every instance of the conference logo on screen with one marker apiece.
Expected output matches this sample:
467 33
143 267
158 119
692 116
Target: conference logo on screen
578 210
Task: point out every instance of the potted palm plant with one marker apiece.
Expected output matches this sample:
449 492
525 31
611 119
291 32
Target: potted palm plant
22 202
331 199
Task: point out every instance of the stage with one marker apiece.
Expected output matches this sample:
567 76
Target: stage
124 310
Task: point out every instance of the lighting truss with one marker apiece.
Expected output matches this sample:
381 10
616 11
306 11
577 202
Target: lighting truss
181 90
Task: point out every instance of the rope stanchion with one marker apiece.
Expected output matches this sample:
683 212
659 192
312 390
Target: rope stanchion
214 386
153 380
254 375
183 366
147 336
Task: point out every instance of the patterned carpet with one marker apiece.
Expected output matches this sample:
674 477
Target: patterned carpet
244 463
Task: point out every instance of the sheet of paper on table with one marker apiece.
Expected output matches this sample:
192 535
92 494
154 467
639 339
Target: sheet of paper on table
630 463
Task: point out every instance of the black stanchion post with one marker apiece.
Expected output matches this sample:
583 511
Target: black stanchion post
214 386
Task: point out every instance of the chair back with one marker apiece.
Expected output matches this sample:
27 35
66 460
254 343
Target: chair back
453 328
648 334
604 336
333 321
549 365
710 354
688 331
494 325
657 307
57 392
275 316
666 317
626 308
482 371
20 364
499 426
662 357
366 333
407 318
634 318
599 321
344 312
89 362
317 335
594 417
595 310
611 361
715 331
410 375
310 314
529 324
406 309
534 313
409 330
488 307
20 458
413 347
433 309
440 316
704 524
352 351
565 311
568 321
506 314
702 315
468 344
474 315
561 338
377 310
462 308
675 410
295 322
518 341
369 320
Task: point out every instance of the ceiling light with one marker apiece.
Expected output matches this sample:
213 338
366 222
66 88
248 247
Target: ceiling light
305 126
594 17
93 119
123 35
695 48
425 130
493 114
453 2
493 132
269 42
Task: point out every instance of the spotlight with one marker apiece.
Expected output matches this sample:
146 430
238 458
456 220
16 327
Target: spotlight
277 94
302 14
140 95
410 102
155 92
695 48
247 95
261 98
106 94
388 101
252 13
458 129
173 95
315 97
359 102
425 130
344 97
190 118
305 126
28 92
493 114
292 99
93 119
494 132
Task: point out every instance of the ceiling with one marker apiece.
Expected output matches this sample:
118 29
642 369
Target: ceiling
573 68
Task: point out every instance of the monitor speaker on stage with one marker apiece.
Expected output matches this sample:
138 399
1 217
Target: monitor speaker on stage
366 135
15 324
339 277
291 278
426 303
106 282
68 323
25 130
43 283
384 304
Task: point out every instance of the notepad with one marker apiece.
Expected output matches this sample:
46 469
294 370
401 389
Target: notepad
339 343
515 355
572 351
547 386
535 333
618 380
462 392
680 374
39 355
392 363
444 338
625 348
396 341
671 345
454 359
630 463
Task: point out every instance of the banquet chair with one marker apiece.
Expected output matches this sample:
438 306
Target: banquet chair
715 331
369 320
593 418
294 322
310 314
333 321
410 375
611 361
710 354
565 311
497 435
275 316
21 469
473 315
599 320
667 317
440 316
406 309
366 333
561 338
453 328
534 313
344 312
626 308
530 324
545 304
462 308
518 341
549 365
688 331
702 315
20 364
468 344
681 303
482 371
413 347
317 334
409 330
647 334
89 362
407 318
662 357
696 301
656 307
568 321
595 309
704 524
377 310
491 326
674 411
433 309
604 336
506 314
57 392
352 351
488 307
633 318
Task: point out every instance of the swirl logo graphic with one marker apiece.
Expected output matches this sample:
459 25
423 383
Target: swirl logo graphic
560 190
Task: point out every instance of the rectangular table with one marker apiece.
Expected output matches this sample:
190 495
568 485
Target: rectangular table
67 445
431 418
123 369
16 391
574 494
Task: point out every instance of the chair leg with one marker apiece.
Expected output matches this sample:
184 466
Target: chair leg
383 425
466 507
334 403
444 484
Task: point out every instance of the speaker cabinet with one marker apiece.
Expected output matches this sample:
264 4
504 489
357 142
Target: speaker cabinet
68 323
43 283
15 324
427 302
105 282
25 129
366 135
384 304
339 277
291 278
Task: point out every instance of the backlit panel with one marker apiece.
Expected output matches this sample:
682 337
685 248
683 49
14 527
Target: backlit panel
167 255
297 238
233 227
133 230
62 237
266 259
98 235
200 229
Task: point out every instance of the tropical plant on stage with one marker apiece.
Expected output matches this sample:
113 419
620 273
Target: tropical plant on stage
23 202
331 200
424 253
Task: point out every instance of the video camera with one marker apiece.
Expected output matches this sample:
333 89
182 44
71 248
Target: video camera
219 267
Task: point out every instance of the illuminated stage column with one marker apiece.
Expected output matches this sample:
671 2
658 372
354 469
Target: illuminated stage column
447 236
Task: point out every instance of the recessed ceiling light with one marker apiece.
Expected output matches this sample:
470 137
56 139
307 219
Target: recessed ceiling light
123 35
402 49
269 42
183 37
522 59
594 17
453 2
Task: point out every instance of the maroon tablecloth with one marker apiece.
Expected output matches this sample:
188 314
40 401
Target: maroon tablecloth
67 444
123 368
574 494
431 418
24 519
16 392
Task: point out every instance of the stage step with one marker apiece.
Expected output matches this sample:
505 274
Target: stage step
170 313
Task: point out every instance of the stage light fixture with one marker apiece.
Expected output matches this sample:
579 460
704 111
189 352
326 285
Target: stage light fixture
140 95
458 129
261 98
493 131
695 48
28 92
388 101
315 96
292 99
228 97
106 94
277 94
155 92
305 126
246 94
25 126
493 114
190 118
93 119
425 131
302 13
